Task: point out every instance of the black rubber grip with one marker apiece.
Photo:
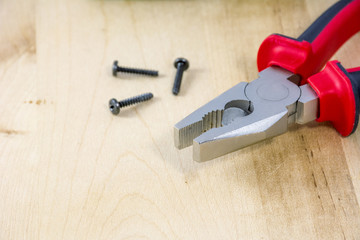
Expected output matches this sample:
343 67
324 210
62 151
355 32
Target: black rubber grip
315 29
354 78
355 75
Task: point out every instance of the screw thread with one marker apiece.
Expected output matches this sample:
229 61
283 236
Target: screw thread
137 99
138 71
178 78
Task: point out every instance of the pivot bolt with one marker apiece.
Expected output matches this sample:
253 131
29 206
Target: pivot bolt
181 64
116 68
115 105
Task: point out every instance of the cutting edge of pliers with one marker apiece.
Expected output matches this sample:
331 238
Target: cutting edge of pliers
290 89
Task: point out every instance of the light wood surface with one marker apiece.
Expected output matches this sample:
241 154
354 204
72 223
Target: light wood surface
71 170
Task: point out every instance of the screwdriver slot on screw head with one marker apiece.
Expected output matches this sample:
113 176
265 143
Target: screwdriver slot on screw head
181 64
115 105
116 68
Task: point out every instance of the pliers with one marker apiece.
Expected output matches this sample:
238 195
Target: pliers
291 88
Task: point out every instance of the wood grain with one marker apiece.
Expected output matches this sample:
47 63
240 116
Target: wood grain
71 170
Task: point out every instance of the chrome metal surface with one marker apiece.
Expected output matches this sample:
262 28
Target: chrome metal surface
245 114
308 105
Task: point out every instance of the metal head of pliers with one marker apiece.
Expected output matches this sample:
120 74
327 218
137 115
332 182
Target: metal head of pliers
247 113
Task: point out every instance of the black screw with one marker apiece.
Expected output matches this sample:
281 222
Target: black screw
181 64
115 105
116 69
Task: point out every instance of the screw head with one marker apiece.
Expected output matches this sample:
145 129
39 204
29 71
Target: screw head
114 106
115 68
184 61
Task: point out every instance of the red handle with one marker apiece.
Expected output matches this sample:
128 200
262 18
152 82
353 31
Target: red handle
338 97
305 58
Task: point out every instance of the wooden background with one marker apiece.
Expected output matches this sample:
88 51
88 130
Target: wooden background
71 170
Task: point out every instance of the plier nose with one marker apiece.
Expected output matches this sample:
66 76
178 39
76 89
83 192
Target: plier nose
245 114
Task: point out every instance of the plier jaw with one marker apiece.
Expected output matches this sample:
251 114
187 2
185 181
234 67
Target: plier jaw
206 118
245 114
